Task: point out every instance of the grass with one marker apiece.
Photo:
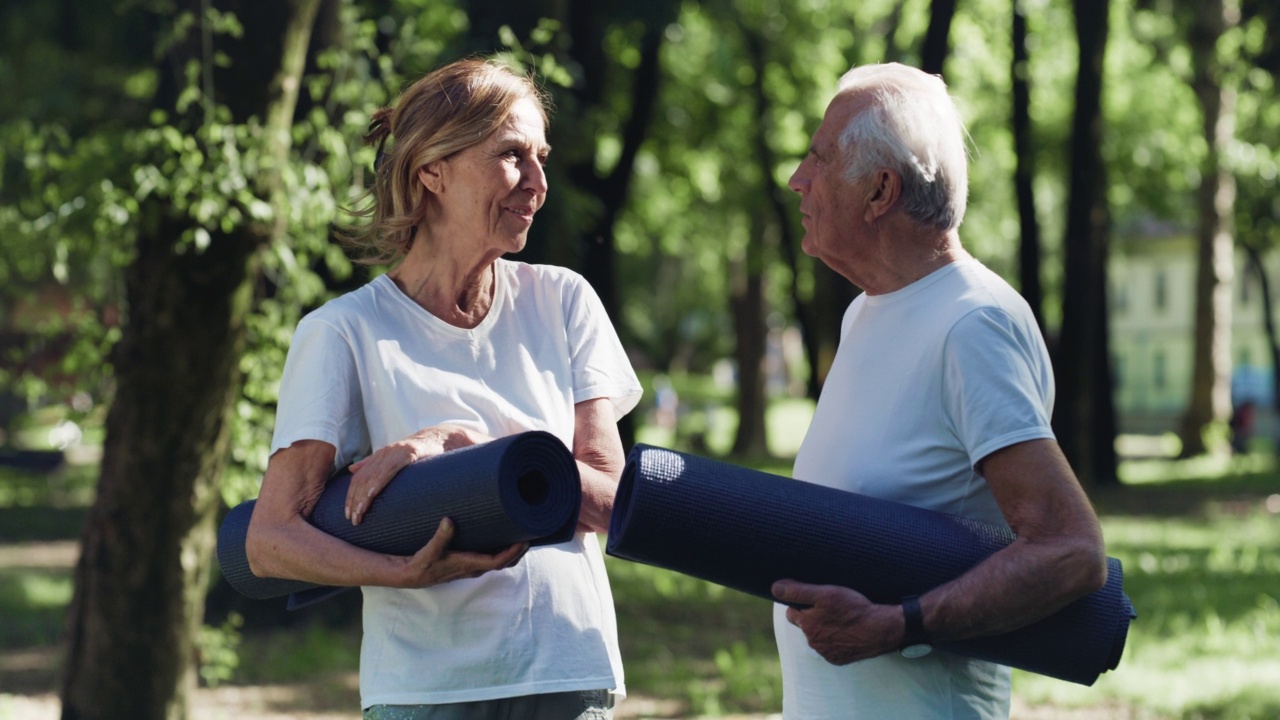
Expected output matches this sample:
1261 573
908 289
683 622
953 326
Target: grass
1199 541
33 604
1205 584
686 639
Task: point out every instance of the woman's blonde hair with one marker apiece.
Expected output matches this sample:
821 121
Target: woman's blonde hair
446 111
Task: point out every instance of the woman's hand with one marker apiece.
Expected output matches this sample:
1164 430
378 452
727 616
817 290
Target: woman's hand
371 474
435 563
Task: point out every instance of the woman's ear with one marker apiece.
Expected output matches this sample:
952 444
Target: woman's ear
431 176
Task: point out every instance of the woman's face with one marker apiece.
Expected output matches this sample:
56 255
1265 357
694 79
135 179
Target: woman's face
489 192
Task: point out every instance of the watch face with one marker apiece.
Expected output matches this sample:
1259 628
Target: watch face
916 651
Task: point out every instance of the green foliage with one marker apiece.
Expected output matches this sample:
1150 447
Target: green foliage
218 649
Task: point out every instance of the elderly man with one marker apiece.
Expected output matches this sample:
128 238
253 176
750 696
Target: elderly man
940 397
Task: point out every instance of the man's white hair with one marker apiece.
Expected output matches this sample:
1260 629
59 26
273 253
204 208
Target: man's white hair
911 125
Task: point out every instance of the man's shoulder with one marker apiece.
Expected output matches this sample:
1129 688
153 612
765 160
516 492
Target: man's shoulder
977 286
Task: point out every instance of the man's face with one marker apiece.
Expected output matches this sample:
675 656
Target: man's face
828 199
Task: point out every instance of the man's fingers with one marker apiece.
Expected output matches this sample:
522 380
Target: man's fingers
796 594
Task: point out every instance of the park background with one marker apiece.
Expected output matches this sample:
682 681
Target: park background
172 171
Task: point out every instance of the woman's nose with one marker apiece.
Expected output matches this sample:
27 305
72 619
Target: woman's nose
535 177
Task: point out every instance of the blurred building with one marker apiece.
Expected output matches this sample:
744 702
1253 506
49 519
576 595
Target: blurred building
1152 296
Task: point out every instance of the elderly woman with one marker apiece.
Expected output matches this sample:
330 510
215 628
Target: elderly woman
455 346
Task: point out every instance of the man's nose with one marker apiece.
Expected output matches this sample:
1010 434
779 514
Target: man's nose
799 181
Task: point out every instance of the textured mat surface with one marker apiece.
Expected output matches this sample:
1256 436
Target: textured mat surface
745 529
521 488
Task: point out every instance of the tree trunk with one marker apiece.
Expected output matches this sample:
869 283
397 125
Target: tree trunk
1085 420
893 51
599 248
774 195
749 343
1029 251
936 45
1210 399
1268 319
148 540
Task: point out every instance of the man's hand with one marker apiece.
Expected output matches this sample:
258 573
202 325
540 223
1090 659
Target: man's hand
842 625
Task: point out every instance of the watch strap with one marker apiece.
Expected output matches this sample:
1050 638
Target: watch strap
914 617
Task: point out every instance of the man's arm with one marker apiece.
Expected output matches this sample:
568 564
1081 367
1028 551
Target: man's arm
1057 557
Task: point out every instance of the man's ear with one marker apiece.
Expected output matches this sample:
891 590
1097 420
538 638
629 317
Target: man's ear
886 188
431 176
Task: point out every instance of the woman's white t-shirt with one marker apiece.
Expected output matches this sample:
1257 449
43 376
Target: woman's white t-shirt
372 367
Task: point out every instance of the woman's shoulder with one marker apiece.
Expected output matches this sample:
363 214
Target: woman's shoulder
352 305
539 278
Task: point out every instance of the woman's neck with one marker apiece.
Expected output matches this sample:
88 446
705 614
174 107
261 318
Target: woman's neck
458 292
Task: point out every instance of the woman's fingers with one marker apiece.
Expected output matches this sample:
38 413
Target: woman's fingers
369 476
435 563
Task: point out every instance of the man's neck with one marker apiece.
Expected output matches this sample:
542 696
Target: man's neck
908 255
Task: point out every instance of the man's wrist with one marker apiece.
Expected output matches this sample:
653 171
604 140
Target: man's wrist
913 623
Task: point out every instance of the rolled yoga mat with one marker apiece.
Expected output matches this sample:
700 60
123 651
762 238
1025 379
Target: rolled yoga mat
520 488
745 529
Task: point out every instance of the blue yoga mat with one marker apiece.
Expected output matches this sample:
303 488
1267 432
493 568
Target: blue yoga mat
520 488
746 529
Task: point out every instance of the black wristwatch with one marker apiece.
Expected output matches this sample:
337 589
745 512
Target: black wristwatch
915 642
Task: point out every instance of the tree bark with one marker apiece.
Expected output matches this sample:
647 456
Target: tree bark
1085 417
774 196
750 338
148 540
1029 251
1268 318
598 246
1210 398
936 40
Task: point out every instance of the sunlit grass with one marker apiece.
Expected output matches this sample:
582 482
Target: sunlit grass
297 655
1204 644
682 638
33 606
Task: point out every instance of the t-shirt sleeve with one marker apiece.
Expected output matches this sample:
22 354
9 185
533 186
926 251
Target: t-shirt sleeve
997 384
320 395
599 363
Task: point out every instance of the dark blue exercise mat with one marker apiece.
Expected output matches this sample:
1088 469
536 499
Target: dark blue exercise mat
520 488
745 529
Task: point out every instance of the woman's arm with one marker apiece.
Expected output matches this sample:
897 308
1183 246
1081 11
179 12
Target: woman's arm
281 543
598 450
